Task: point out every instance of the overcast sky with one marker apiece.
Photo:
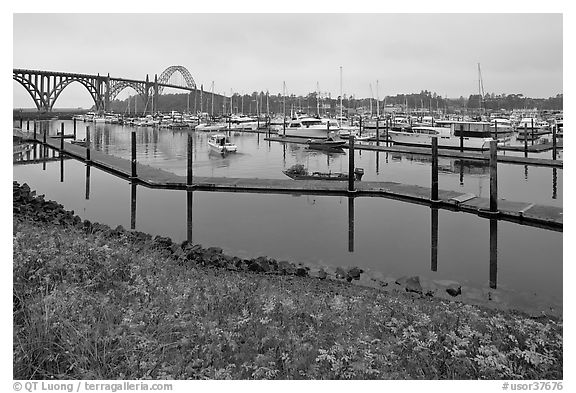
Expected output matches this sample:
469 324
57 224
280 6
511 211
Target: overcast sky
406 53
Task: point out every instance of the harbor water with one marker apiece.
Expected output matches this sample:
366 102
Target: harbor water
382 236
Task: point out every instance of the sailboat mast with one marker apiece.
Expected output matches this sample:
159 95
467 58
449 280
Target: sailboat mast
318 99
284 98
201 99
480 89
371 98
212 107
340 93
377 100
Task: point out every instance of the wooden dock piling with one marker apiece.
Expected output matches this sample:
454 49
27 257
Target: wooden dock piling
495 130
74 121
387 137
434 190
189 160
532 131
360 126
377 132
351 163
87 143
493 178
61 139
133 140
554 146
525 140
461 141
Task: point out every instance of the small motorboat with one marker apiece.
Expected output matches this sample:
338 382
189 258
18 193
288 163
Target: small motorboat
79 142
345 134
298 172
325 144
222 144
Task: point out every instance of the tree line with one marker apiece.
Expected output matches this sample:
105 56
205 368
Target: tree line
261 102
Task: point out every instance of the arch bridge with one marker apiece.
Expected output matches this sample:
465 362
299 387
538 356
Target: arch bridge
46 86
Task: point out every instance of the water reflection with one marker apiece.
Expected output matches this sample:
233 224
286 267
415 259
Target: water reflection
61 167
189 201
87 195
133 205
350 224
493 252
255 224
434 239
554 183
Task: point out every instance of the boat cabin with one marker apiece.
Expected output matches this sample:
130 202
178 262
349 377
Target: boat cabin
469 129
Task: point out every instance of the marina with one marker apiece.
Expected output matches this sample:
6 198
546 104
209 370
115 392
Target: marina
110 151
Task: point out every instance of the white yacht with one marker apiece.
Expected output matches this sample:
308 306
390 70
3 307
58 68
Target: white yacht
243 123
532 123
311 127
277 124
475 135
211 127
503 125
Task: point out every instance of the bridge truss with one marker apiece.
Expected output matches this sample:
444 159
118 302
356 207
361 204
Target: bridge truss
46 86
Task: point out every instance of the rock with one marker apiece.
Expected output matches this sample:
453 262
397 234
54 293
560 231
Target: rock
314 272
354 273
214 250
413 285
259 265
162 242
301 271
340 273
454 290
286 267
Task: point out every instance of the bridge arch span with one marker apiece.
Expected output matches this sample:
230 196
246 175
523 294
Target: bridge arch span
167 73
117 86
45 87
93 90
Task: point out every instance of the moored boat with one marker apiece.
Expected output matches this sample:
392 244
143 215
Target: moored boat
472 135
221 144
298 172
210 127
325 144
311 127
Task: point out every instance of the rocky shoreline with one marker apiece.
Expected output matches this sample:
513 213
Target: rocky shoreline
31 206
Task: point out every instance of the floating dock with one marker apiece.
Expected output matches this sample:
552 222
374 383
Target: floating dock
453 153
548 217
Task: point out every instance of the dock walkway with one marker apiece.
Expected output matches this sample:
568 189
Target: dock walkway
549 217
453 153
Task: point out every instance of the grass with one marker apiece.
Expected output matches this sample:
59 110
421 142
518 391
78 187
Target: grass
103 306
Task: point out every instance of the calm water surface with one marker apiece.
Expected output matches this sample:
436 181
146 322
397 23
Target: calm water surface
377 234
